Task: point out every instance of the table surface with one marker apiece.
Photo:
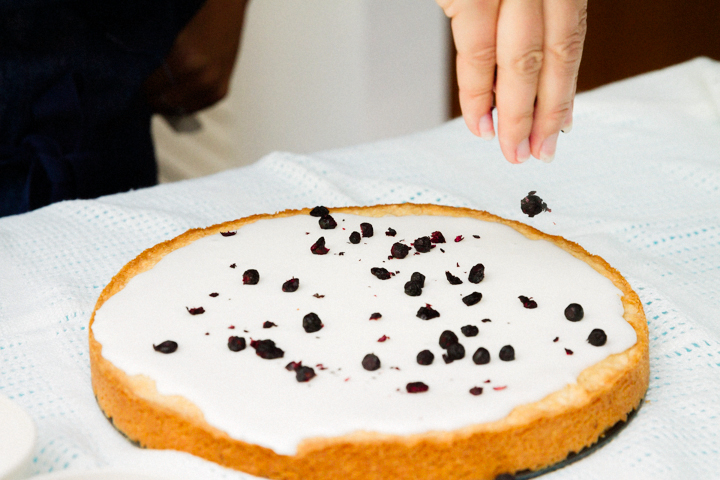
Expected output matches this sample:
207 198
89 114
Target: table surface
637 181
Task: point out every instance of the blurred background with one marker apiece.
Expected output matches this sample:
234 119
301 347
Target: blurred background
319 74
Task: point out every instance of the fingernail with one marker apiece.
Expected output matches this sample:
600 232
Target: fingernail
547 149
523 151
487 131
567 124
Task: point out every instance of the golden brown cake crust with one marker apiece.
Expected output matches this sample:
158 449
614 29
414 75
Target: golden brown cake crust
532 436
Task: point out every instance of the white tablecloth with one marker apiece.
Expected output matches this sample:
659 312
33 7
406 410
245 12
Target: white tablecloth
637 181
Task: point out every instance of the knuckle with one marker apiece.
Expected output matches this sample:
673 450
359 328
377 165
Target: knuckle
480 56
569 50
529 63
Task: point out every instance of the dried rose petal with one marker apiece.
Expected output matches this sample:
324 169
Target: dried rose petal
459 238
437 237
383 338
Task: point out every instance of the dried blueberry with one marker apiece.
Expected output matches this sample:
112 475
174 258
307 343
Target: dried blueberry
476 391
477 273
318 248
195 311
425 357
454 352
391 232
293 366
304 374
452 279
168 346
214 294
266 349
437 237
268 324
227 234
236 344
507 353
472 299
413 289
312 323
399 250
574 312
416 387
251 277
533 205
447 338
319 211
597 337
427 313
355 238
366 229
291 285
527 302
422 244
327 222
376 316
381 273
418 278
481 356
371 362
469 330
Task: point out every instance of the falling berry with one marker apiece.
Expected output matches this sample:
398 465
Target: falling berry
416 387
266 349
390 232
399 250
196 311
437 237
312 323
268 324
418 278
425 357
381 273
476 391
251 277
527 302
472 299
318 248
597 338
422 244
574 312
413 289
291 285
236 344
533 205
371 362
304 374
376 316
452 279
427 313
227 234
366 229
469 330
507 353
481 356
327 222
355 238
454 352
477 273
447 338
168 346
319 211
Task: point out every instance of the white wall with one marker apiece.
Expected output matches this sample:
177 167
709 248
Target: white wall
319 74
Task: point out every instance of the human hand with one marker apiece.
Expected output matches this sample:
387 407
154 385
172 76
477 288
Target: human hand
536 46
196 73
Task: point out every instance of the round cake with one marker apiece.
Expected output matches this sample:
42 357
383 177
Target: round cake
383 342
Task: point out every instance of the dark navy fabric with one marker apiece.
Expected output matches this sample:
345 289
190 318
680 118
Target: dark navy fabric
73 120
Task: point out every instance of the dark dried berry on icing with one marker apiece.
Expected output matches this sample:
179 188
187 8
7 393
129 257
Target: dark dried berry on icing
437 237
391 232
327 222
418 278
399 250
293 366
318 248
452 279
319 211
472 299
477 273
291 285
422 244
376 316
268 324
574 312
427 313
312 323
454 352
507 353
527 302
371 362
196 311
568 351
304 374
168 346
597 338
413 289
481 356
381 273
214 294
267 349
227 234
236 344
447 338
355 238
366 229
469 330
416 387
425 357
476 391
533 205
251 277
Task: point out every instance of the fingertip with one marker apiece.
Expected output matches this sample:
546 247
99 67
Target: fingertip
486 127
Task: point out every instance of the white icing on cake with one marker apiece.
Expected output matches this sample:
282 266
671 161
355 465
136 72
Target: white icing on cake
258 401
